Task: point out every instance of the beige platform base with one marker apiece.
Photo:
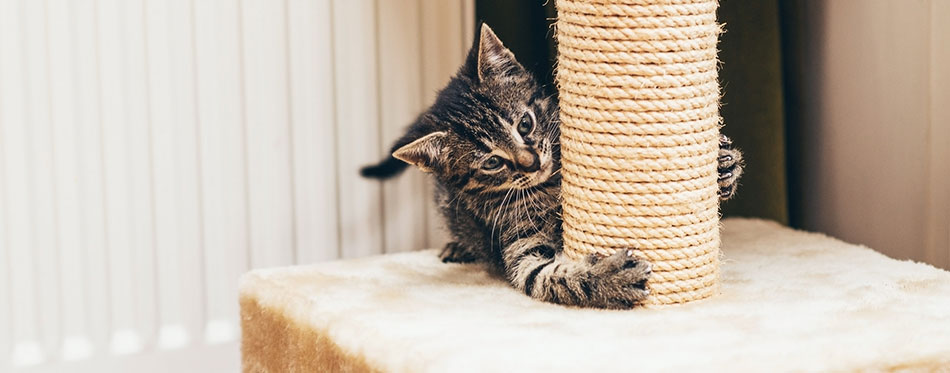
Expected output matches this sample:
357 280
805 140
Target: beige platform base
790 301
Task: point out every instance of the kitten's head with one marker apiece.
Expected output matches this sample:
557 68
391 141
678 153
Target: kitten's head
492 128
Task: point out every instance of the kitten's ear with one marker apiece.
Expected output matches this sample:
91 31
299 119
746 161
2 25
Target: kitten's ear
493 58
424 152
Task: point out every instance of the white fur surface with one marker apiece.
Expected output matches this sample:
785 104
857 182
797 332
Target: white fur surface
790 301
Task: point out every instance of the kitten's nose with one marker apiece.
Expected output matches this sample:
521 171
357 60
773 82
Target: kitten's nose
528 160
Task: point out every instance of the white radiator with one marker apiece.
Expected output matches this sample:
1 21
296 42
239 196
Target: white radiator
151 151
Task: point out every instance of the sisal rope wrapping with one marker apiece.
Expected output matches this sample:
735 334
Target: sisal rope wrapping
639 101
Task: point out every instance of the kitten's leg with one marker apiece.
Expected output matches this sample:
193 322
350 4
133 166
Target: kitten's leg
458 252
617 281
469 243
730 168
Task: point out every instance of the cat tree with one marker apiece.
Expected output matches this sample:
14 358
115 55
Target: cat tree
639 102
640 123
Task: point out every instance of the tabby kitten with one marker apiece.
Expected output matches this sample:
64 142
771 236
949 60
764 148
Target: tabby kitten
491 142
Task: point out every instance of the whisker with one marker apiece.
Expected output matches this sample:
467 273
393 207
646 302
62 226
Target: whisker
527 216
495 220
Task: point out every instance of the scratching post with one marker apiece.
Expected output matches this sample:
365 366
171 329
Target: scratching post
639 103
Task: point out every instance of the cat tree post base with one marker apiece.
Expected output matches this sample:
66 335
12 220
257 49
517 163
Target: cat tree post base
791 301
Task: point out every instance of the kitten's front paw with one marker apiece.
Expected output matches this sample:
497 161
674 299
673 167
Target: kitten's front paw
619 281
455 252
730 168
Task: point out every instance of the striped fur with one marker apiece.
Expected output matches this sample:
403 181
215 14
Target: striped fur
507 211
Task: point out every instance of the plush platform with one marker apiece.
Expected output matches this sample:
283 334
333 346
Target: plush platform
790 301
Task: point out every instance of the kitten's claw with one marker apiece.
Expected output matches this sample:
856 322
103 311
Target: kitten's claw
619 281
730 168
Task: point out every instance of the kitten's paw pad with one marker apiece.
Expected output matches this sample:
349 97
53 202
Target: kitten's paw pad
730 168
455 252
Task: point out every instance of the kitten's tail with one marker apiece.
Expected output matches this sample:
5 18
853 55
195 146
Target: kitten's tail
385 169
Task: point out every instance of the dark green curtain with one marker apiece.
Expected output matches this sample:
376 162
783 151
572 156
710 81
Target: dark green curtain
753 106
525 26
751 77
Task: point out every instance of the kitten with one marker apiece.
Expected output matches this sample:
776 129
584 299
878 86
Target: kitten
491 142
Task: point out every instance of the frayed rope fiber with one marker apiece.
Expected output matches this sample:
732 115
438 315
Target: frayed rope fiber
639 101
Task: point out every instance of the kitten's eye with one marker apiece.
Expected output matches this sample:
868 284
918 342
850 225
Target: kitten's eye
492 163
526 124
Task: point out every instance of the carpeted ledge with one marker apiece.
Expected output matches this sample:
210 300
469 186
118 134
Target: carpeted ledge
790 301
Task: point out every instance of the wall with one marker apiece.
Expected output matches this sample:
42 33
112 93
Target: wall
875 90
151 151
